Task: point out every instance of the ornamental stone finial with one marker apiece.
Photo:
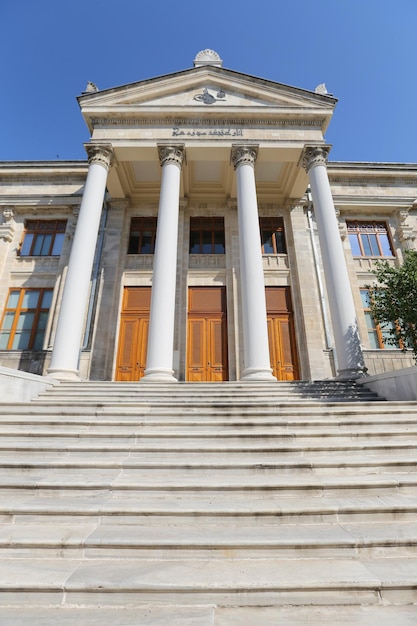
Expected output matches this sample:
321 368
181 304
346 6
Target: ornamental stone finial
314 155
101 154
207 57
171 154
244 155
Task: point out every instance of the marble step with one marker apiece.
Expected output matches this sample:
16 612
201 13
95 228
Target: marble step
281 419
190 429
35 446
177 508
172 410
221 400
94 539
209 615
239 582
137 483
359 462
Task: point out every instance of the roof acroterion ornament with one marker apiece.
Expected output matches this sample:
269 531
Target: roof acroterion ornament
207 57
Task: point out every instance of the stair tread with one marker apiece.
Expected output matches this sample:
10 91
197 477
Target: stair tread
94 533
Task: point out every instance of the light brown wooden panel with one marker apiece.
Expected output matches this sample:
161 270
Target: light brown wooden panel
281 334
207 335
133 336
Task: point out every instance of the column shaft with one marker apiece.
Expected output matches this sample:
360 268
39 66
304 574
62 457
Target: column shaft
255 330
159 362
66 350
342 309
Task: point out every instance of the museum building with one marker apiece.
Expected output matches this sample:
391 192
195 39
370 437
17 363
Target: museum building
207 237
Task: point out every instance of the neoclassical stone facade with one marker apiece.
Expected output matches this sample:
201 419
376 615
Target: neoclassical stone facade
208 237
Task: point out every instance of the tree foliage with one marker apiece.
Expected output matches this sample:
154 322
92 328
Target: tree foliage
393 301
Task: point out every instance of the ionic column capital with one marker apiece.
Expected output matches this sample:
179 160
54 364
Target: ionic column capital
101 154
313 156
171 154
244 155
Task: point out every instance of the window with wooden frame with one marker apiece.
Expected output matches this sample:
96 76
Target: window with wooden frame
142 235
272 235
24 319
43 238
207 235
376 332
369 239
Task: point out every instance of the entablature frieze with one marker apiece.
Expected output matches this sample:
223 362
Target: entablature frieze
206 121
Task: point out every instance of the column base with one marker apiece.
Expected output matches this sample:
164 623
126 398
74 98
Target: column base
158 376
61 374
351 373
256 374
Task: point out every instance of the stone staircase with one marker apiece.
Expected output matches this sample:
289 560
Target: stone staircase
226 504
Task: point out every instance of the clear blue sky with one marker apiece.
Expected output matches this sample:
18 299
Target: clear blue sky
364 50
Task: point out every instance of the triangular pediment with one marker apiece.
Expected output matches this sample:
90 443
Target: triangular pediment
209 88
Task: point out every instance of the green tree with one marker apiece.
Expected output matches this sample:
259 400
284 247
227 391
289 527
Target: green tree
393 301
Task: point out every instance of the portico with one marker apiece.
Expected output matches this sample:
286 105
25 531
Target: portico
206 143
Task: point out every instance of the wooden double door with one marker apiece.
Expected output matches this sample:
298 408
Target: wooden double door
207 335
281 333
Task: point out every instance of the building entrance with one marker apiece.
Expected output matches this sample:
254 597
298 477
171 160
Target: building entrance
281 334
133 336
207 335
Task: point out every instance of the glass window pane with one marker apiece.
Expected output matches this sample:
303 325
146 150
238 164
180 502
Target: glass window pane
25 321
385 245
366 245
354 244
47 240
27 243
43 318
133 243
207 244
373 340
30 299
146 247
374 245
21 340
387 346
280 242
369 320
8 320
13 300
46 299
219 247
267 242
4 340
194 242
38 245
38 341
365 298
57 247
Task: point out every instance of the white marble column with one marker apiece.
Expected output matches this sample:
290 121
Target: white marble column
350 362
159 361
66 350
255 330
